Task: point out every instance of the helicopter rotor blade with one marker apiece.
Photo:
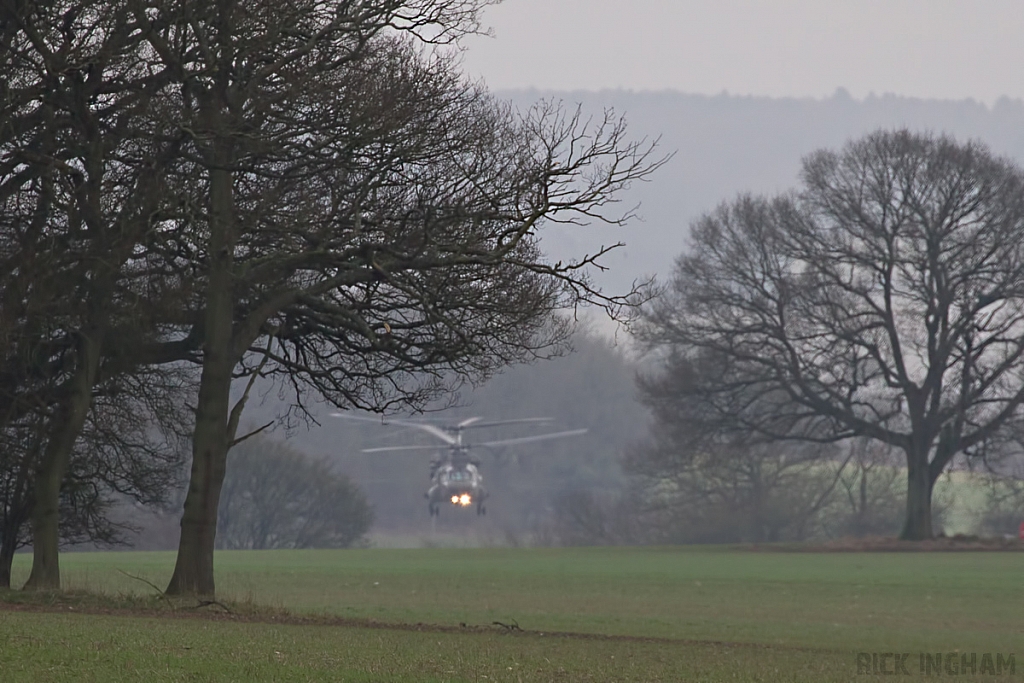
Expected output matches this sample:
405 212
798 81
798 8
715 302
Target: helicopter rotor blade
496 423
528 439
383 449
429 428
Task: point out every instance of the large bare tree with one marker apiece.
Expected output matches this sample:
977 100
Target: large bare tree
298 189
82 163
884 299
361 219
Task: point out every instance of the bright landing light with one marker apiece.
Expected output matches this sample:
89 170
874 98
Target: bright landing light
462 500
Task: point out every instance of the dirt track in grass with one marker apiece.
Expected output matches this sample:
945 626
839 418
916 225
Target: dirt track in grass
59 603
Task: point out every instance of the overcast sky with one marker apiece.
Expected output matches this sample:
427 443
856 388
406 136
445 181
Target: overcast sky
948 49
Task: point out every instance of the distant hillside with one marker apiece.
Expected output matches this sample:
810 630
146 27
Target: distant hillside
726 145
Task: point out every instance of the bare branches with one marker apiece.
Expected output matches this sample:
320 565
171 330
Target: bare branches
886 299
204 177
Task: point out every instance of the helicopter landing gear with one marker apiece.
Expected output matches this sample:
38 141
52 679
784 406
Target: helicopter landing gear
481 510
435 510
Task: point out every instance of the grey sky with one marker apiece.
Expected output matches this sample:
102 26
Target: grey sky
950 49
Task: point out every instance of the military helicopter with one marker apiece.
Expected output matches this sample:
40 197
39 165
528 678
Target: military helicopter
455 476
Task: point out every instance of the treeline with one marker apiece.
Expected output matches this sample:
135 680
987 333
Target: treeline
195 194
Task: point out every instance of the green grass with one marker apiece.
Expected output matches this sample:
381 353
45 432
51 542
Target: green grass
44 647
720 614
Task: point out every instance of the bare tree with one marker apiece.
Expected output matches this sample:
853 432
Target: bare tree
347 212
130 450
588 517
18 449
1004 507
277 497
870 496
364 221
1002 472
885 299
81 180
706 479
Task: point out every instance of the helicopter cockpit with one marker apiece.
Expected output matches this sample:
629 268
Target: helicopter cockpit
457 477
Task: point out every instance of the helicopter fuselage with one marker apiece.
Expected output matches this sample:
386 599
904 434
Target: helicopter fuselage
457 484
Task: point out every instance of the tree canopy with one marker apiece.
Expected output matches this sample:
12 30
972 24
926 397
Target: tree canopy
303 190
884 298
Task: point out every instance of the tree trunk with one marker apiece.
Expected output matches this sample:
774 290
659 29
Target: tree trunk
918 523
193 569
7 559
19 509
49 474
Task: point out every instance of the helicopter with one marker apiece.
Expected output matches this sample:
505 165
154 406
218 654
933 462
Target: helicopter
455 477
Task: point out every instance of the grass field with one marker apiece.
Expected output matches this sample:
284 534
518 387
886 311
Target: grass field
640 614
